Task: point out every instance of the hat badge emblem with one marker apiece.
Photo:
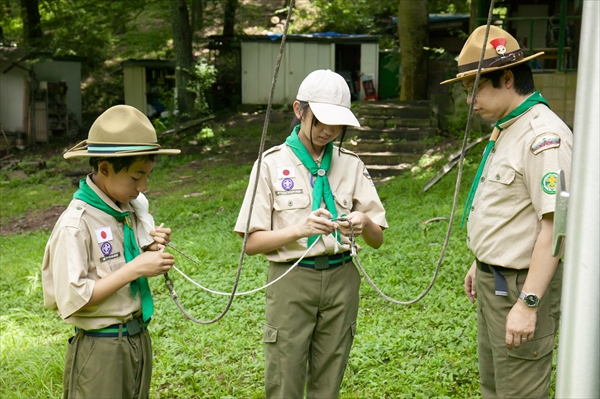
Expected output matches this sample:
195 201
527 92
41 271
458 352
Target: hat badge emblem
499 45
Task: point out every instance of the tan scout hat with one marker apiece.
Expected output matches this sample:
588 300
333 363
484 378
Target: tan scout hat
121 131
501 51
328 95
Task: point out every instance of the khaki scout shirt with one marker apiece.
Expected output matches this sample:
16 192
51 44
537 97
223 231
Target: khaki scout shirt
505 219
284 198
77 255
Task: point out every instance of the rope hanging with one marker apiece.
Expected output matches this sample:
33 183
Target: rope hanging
169 282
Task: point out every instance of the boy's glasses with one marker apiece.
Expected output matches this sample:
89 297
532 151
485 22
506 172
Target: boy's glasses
469 90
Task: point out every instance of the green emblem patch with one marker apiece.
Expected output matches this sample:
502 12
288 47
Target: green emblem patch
549 182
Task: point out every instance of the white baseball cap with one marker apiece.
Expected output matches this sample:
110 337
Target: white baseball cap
328 95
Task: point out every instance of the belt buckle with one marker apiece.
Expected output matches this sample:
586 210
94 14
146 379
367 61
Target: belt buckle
321 262
133 327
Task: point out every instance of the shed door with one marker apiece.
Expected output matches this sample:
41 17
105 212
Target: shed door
302 59
258 66
135 87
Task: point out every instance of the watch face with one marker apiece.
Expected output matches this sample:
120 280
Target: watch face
531 300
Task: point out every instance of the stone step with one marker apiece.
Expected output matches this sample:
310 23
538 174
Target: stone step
388 158
385 121
398 133
380 171
412 109
382 145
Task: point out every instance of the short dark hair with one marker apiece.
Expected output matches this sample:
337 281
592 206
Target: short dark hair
523 78
304 106
120 163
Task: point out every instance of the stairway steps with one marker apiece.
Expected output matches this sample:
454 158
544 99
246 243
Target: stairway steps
388 158
397 133
381 121
382 145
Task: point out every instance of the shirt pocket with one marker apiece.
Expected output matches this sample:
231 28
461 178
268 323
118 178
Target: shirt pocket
291 209
498 199
106 267
343 203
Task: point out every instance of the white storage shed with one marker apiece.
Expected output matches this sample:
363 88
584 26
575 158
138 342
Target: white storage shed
352 56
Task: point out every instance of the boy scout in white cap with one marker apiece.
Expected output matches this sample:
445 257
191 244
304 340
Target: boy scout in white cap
510 212
305 185
93 274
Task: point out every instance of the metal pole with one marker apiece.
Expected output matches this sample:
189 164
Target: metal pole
579 341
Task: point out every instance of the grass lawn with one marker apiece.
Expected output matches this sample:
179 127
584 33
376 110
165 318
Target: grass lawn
426 350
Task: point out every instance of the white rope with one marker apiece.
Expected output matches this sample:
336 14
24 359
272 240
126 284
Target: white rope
245 292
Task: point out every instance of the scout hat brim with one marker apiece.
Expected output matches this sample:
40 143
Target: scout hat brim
502 51
121 131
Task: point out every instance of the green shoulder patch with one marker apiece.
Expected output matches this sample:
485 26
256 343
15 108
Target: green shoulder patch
544 142
549 182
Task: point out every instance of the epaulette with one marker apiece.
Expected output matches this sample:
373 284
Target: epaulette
346 151
273 149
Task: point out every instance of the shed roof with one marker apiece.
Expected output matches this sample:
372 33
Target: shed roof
323 37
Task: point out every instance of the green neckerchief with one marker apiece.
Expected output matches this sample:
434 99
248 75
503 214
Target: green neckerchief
89 196
321 189
533 99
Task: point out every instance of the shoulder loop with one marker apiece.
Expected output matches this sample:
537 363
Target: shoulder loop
273 149
346 151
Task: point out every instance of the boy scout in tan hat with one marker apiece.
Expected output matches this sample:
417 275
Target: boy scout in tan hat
509 212
94 273
305 185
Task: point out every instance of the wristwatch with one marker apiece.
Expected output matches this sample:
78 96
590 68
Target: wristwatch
531 300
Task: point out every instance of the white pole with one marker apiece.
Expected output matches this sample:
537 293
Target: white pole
578 373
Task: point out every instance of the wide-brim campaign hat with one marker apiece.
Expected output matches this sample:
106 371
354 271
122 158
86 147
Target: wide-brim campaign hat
501 51
328 96
121 131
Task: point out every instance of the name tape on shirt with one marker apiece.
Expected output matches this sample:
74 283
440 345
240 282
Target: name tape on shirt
286 172
103 234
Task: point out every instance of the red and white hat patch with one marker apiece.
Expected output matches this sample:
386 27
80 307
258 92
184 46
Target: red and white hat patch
104 234
499 45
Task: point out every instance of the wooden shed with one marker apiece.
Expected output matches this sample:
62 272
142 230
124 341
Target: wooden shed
352 56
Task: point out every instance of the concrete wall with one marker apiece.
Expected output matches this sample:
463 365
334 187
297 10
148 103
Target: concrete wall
559 89
12 98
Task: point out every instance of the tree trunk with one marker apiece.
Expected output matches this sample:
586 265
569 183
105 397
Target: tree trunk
413 31
197 15
184 59
30 14
229 9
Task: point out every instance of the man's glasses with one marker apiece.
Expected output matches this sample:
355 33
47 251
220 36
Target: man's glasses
469 90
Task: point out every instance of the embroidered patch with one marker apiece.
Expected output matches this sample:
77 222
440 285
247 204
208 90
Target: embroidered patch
103 234
297 191
366 173
545 141
106 248
286 172
109 257
287 184
549 182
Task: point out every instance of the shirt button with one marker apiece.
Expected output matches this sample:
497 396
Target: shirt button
497 177
482 179
78 208
468 238
472 208
290 203
494 149
345 202
535 353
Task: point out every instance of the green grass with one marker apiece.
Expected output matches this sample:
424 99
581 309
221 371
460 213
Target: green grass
427 350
